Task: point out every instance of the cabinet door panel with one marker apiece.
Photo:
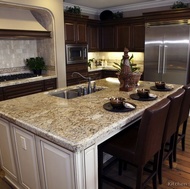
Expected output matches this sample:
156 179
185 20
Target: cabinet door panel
123 37
27 159
14 91
91 167
6 150
138 37
81 33
70 32
108 38
93 38
57 166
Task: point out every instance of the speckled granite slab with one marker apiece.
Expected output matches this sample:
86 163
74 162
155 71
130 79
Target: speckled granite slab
75 123
26 80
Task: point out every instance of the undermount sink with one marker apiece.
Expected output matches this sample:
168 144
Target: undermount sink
74 92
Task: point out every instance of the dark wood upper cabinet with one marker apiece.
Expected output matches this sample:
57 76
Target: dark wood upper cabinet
93 35
69 32
117 34
108 37
122 37
75 29
137 37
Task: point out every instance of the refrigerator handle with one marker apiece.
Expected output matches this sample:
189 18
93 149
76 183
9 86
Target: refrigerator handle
159 57
164 60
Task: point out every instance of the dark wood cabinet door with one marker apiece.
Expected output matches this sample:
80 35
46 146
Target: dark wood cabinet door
81 36
82 68
94 75
22 89
122 37
93 38
108 38
1 93
50 84
75 28
14 91
109 73
69 32
137 37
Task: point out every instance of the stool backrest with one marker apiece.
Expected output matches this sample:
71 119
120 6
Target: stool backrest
151 131
173 114
184 112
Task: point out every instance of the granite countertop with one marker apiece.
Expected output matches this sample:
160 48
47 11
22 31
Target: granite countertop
99 68
26 80
74 124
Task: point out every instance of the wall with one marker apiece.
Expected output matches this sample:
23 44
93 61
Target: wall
108 58
29 48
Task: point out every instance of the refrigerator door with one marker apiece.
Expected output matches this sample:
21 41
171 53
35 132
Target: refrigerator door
153 54
167 53
176 54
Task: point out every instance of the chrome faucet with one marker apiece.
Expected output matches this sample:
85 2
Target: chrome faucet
86 78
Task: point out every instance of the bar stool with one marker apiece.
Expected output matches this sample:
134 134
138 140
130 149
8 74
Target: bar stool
182 122
137 145
170 130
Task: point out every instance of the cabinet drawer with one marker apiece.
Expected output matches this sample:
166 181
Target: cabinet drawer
95 75
50 84
22 89
109 73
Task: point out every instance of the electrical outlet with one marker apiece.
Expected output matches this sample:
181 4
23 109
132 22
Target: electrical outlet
23 143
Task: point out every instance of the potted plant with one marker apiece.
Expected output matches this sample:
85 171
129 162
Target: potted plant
36 64
134 67
73 10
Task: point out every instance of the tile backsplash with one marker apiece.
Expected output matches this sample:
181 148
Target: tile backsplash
108 58
14 52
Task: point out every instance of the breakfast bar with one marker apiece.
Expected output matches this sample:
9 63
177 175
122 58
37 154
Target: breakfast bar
60 136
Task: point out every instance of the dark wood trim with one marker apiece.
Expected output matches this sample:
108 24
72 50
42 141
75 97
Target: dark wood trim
17 34
173 14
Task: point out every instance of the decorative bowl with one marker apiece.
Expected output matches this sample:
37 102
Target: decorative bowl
117 102
143 93
160 84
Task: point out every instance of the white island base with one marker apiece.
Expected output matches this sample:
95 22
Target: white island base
43 146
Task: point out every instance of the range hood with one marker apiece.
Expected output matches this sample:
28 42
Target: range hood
20 23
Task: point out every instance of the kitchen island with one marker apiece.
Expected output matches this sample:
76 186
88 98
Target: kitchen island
60 136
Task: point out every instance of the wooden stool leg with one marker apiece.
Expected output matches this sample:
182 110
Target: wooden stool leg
183 134
139 177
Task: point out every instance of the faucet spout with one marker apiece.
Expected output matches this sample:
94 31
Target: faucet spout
86 78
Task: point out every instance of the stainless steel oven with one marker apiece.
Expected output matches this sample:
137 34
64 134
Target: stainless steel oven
76 53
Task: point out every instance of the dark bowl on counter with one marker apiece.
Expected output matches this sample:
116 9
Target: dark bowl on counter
143 93
117 102
160 84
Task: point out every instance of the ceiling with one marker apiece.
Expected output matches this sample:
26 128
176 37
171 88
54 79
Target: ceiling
109 4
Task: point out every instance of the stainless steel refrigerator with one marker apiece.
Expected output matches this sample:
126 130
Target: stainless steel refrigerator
167 51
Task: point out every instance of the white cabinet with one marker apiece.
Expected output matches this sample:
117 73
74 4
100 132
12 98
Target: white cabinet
91 167
56 165
31 162
6 152
27 158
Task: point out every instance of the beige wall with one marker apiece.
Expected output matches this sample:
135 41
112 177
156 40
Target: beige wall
55 7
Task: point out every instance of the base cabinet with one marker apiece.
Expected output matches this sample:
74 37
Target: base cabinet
57 166
27 158
31 162
7 160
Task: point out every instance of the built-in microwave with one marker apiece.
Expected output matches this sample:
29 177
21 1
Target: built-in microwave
76 53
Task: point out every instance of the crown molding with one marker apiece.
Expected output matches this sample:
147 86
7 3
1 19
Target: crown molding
124 8
146 5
